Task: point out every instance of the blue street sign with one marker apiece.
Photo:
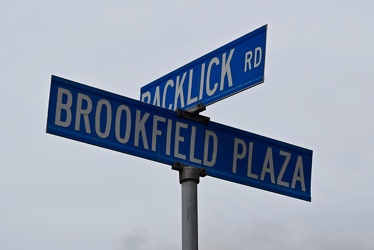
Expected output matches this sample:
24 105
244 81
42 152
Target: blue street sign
107 120
223 72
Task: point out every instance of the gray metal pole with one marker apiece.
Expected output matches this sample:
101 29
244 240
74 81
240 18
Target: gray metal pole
189 178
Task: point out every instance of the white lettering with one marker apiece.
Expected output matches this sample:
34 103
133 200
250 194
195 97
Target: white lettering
258 57
84 112
65 106
298 175
140 128
248 58
226 70
249 165
192 146
210 134
268 166
146 97
117 129
210 91
156 98
202 76
108 123
155 131
168 136
283 169
178 139
238 155
189 99
171 84
179 91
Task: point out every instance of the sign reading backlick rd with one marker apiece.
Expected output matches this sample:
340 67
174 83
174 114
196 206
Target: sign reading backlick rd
107 120
225 71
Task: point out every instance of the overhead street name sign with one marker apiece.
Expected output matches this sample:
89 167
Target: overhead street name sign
108 120
223 72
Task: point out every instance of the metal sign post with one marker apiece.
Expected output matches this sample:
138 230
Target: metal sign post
189 178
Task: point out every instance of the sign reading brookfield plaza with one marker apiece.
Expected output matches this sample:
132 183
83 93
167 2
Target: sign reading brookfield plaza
111 121
223 72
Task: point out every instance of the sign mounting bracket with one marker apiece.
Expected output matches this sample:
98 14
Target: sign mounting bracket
200 107
194 115
180 167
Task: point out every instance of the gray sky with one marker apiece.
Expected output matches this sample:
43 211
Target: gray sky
57 193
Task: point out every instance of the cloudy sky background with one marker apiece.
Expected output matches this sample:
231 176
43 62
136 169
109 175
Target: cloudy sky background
61 194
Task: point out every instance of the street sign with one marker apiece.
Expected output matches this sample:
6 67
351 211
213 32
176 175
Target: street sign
223 72
107 120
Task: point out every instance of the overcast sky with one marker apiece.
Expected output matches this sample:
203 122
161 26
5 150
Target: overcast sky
60 194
